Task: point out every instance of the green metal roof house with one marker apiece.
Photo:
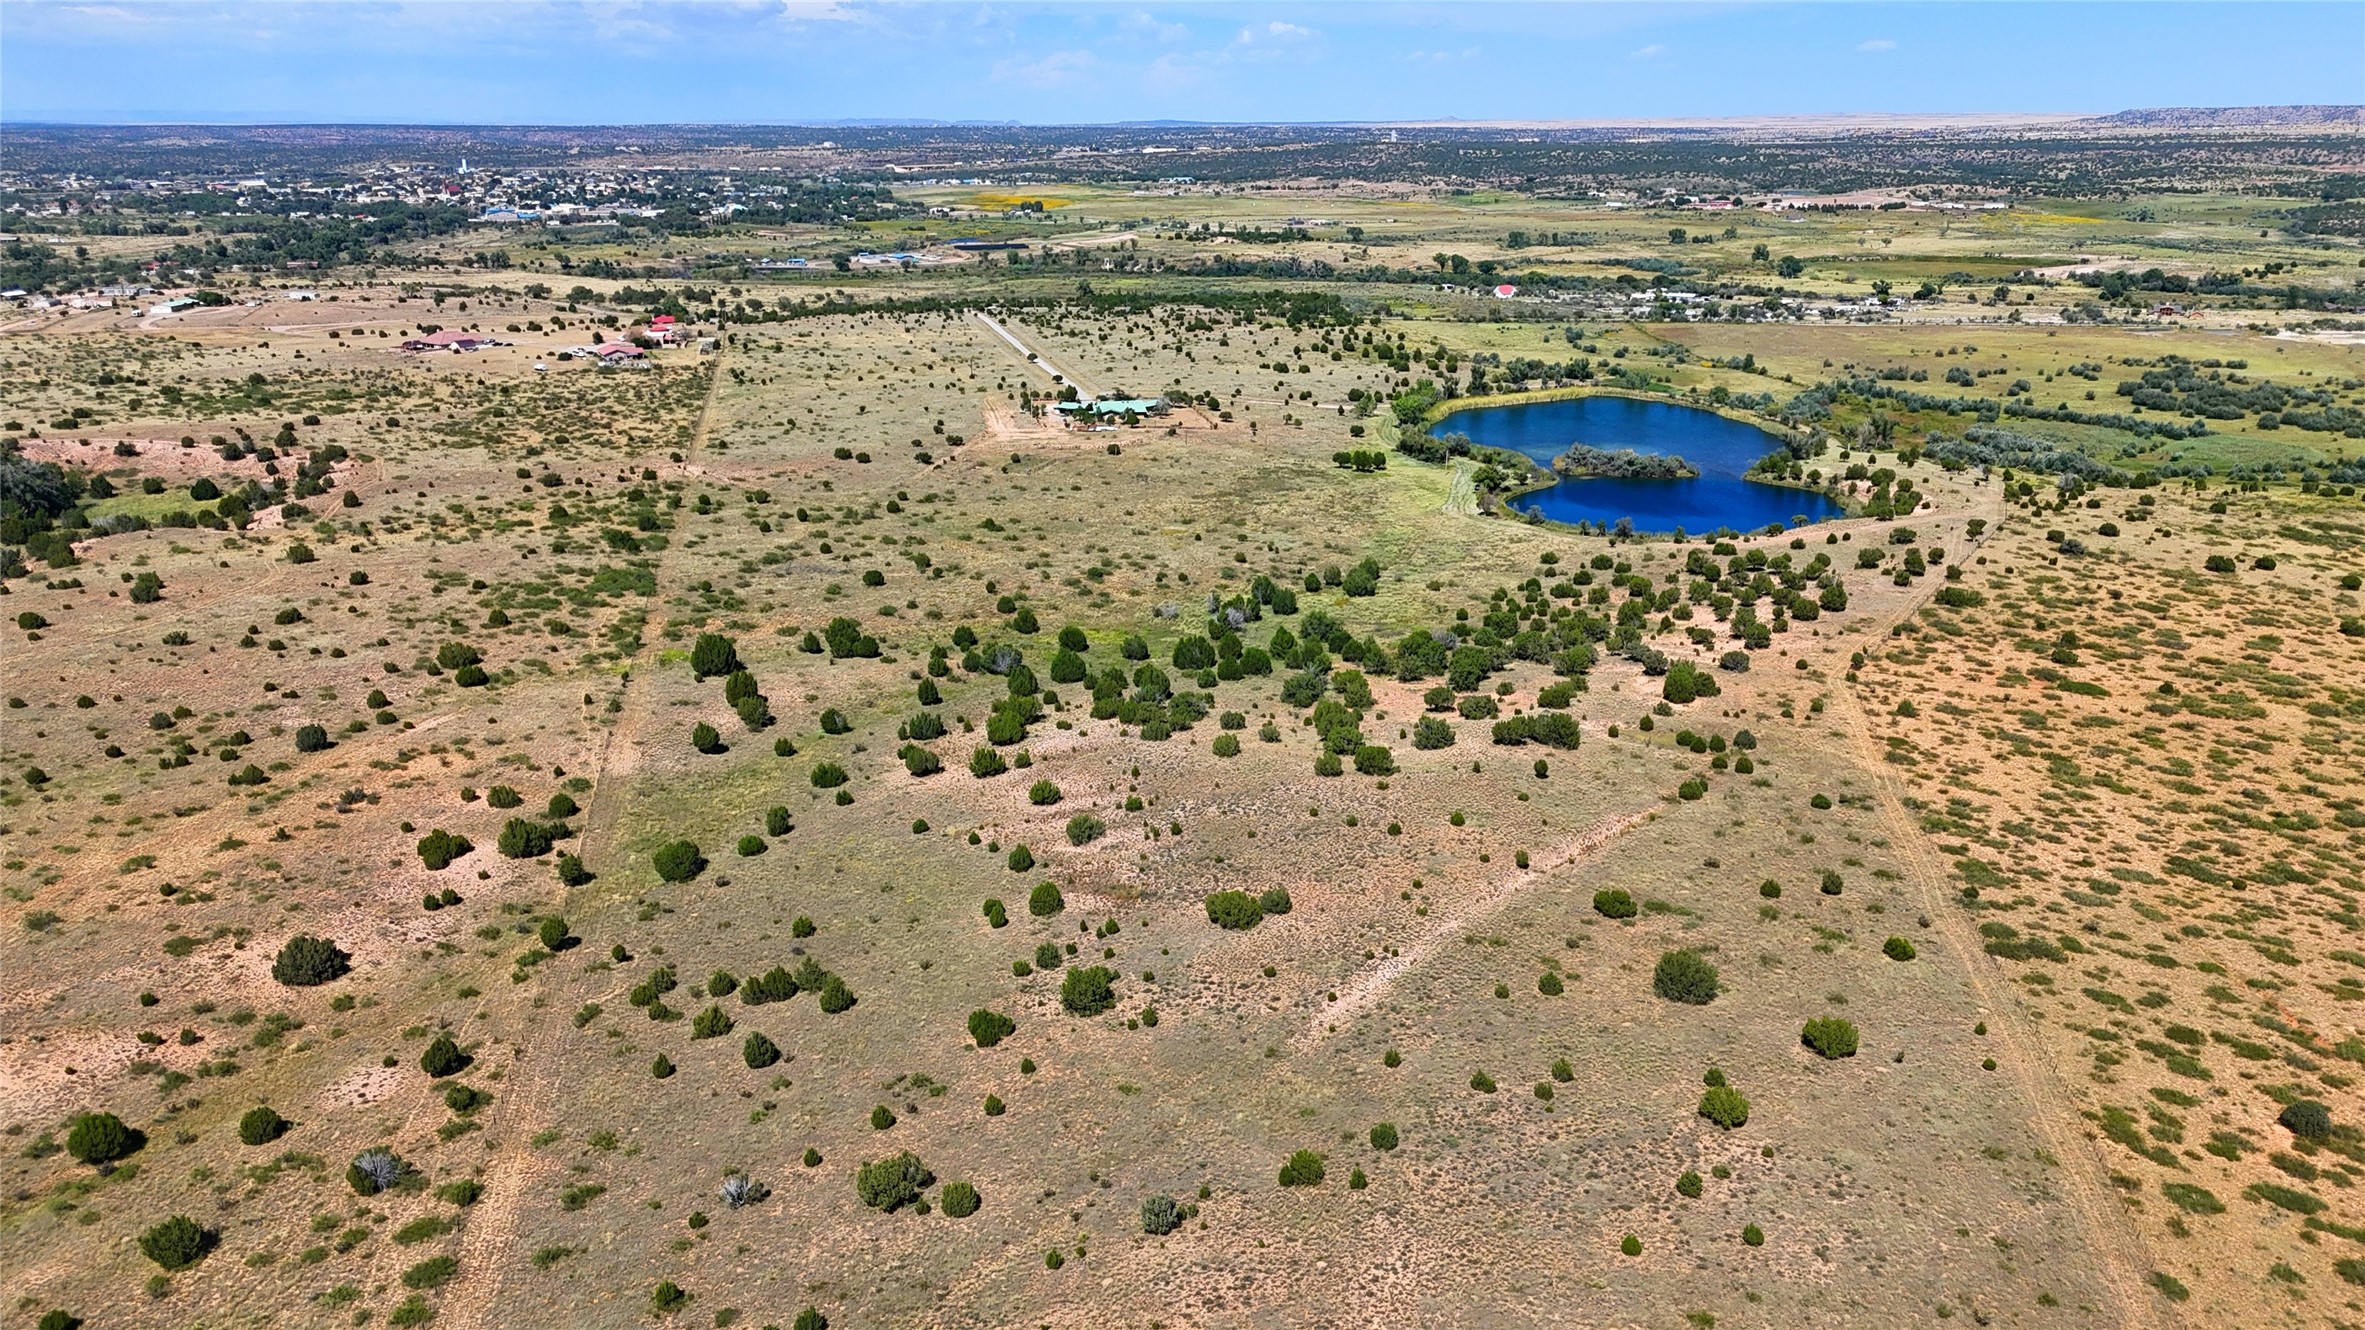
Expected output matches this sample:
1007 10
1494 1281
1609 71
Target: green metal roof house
1115 406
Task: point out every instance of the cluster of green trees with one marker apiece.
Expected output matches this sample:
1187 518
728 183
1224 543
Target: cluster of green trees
988 1028
1338 720
1088 990
465 662
529 838
1987 410
1327 665
44 506
1686 682
306 961
1553 729
716 656
892 1183
1490 372
1147 699
1685 976
1721 1104
1237 910
844 640
1245 304
438 848
1433 448
1622 464
780 984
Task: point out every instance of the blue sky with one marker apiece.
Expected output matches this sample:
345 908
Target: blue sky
653 61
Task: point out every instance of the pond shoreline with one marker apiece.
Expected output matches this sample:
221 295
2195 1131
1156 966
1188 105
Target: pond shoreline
1730 497
1440 413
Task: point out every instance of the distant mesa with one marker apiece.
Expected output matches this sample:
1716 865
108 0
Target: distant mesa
2234 117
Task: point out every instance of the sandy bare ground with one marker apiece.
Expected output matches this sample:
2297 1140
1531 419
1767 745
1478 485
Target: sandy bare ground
1365 990
362 1087
1093 242
156 457
2092 263
1005 424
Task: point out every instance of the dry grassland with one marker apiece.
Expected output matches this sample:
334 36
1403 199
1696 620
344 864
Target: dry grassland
2062 1111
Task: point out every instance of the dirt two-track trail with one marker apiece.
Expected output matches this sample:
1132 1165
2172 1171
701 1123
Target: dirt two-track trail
488 1244
1366 990
2113 1244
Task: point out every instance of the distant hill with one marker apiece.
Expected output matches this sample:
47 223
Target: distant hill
2235 117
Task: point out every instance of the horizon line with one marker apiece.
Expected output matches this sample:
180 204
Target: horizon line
1431 122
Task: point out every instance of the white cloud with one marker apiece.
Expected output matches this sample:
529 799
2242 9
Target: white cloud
819 11
1647 52
626 22
1154 28
1275 33
1173 72
1261 43
1442 57
1877 44
1053 70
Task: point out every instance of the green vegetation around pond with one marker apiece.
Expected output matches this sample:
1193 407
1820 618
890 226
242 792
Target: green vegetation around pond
1622 464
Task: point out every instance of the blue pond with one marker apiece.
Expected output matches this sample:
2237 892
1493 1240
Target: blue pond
1722 450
